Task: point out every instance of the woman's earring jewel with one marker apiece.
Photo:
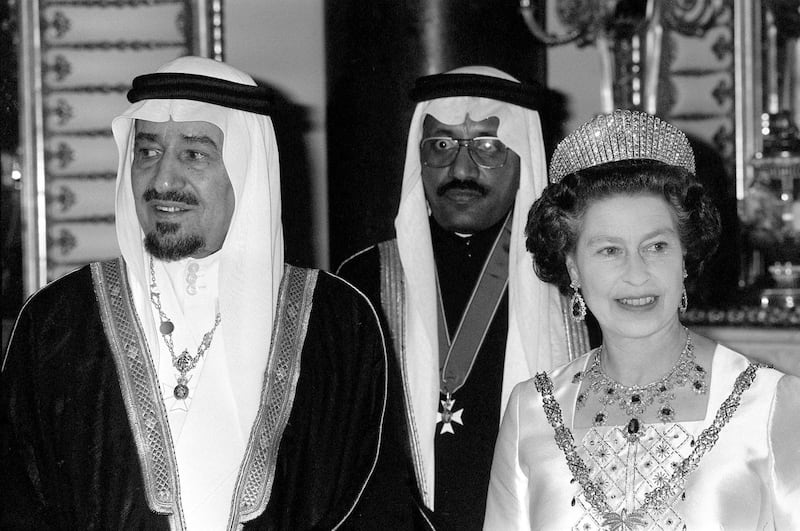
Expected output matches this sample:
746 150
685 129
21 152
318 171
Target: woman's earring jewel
576 304
684 301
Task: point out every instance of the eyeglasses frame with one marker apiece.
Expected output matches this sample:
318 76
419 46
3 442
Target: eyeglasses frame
464 142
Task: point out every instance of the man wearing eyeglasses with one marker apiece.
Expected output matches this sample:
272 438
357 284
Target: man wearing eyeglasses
467 316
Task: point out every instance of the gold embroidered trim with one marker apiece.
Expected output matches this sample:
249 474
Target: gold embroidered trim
256 477
140 389
393 291
393 303
394 306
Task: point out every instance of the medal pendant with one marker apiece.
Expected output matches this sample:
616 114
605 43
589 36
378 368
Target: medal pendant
447 416
180 392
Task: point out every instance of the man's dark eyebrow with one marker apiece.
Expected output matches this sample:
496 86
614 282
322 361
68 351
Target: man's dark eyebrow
202 139
449 132
439 131
145 136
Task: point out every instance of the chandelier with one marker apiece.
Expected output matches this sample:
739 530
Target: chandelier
628 36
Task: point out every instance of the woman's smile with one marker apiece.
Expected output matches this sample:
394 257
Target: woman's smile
638 303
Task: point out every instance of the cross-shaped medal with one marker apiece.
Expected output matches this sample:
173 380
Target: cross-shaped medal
447 416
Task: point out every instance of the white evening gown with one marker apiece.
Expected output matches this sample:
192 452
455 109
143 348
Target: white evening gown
750 480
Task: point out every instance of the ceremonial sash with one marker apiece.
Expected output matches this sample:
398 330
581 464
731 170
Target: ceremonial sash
457 357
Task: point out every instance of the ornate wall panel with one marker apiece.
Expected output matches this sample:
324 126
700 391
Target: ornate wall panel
698 95
731 81
78 59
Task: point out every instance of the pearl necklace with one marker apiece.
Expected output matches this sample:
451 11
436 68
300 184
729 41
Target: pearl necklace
185 362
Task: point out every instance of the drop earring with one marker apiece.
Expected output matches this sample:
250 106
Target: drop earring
684 297
576 304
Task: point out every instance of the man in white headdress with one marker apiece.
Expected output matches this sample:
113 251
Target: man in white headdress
196 381
467 316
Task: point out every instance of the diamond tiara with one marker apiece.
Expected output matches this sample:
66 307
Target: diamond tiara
621 135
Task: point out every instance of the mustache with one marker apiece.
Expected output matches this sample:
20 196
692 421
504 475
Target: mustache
170 195
457 184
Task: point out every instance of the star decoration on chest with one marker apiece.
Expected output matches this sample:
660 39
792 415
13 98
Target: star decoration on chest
448 417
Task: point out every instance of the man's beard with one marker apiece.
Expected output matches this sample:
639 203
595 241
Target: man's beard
163 244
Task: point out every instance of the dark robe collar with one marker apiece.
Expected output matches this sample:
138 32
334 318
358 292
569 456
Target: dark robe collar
459 261
452 248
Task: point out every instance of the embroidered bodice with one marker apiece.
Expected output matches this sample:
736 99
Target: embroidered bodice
626 471
749 479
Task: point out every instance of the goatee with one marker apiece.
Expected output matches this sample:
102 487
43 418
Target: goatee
163 244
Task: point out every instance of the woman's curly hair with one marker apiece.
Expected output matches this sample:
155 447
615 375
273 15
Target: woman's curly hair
555 219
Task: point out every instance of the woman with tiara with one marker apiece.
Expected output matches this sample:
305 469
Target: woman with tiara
658 428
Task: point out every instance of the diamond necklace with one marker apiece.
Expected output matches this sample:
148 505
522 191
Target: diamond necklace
656 499
634 400
185 362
